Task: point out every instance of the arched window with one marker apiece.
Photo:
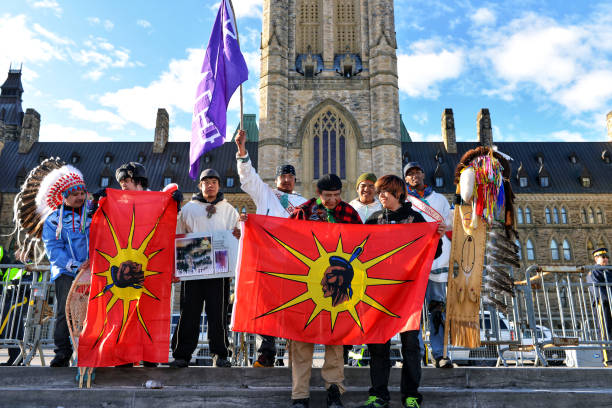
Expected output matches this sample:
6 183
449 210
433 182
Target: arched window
527 215
346 22
601 243
519 215
520 249
600 219
309 27
329 144
563 215
583 215
590 246
567 250
530 250
555 215
547 213
591 216
554 250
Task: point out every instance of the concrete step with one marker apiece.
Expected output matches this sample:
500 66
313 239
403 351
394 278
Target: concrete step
240 387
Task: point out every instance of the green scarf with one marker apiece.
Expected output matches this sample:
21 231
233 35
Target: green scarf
330 213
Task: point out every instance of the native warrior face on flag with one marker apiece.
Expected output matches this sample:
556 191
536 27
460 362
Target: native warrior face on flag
334 277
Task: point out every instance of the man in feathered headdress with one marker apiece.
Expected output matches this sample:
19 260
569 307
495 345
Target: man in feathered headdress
62 203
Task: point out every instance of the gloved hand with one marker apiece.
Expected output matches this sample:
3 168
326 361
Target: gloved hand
177 196
99 194
436 310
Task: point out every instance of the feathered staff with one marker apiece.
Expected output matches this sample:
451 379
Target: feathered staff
484 201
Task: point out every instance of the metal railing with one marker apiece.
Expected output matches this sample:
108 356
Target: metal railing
554 318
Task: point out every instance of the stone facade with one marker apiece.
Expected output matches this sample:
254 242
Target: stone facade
362 95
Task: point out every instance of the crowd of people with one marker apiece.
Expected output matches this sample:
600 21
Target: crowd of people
389 199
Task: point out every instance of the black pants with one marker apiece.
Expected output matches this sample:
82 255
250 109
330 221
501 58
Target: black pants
380 367
268 347
61 335
214 294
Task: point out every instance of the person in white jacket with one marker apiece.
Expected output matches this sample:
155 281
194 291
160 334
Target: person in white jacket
366 202
207 211
435 295
276 202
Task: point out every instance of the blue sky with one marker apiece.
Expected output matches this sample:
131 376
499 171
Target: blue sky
98 71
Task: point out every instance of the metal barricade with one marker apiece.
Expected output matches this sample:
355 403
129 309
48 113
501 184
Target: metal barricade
25 313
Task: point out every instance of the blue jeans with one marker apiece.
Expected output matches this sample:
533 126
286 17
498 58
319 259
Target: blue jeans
436 291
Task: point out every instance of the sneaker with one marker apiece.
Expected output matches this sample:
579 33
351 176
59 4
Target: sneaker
60 361
333 397
148 364
222 362
263 361
300 403
411 402
442 362
179 363
375 402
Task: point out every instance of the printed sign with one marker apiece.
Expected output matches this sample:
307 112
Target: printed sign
205 255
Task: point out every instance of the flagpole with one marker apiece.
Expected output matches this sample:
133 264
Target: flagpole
238 41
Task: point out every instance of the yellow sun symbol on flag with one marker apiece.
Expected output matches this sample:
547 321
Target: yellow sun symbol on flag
317 269
126 275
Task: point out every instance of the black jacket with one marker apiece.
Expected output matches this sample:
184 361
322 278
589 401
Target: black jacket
404 215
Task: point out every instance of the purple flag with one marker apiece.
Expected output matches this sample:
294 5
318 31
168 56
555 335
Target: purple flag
223 70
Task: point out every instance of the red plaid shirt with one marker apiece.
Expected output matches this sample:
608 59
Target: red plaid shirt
311 211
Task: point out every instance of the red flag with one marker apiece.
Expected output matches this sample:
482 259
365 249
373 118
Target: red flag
332 283
132 260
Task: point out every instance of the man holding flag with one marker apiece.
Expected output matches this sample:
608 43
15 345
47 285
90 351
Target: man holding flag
223 70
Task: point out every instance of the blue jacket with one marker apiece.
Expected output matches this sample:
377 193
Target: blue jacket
68 252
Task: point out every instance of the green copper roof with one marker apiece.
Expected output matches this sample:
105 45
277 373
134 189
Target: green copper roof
249 122
404 131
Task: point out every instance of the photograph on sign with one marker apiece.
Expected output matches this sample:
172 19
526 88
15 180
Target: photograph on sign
194 256
221 261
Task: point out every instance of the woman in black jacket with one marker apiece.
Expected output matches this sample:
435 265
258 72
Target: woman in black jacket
391 192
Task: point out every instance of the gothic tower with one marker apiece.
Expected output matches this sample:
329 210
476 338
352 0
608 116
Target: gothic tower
328 90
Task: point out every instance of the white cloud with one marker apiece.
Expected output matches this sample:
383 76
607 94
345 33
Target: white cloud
421 117
565 136
77 110
144 23
428 65
54 132
100 55
179 134
107 24
243 8
174 90
35 46
569 64
46 4
420 137
483 16
589 92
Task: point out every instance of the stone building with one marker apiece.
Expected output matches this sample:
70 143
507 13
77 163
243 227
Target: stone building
328 92
563 189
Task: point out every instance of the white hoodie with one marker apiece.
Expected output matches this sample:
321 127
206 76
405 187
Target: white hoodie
269 201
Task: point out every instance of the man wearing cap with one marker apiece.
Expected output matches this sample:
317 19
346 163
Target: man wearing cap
65 236
207 211
327 207
366 202
434 207
277 202
602 277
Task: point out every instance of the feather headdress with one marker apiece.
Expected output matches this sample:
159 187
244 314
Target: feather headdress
40 195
